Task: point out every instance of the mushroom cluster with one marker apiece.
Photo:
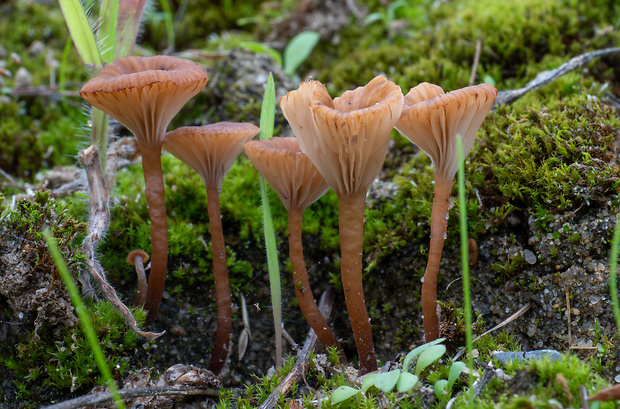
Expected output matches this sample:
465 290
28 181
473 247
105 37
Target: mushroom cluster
339 143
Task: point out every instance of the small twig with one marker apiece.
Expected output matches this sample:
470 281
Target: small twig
507 321
97 227
132 393
354 10
302 364
487 376
510 96
474 67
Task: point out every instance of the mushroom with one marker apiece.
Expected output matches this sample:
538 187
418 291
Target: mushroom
137 258
144 94
432 119
298 184
211 150
347 140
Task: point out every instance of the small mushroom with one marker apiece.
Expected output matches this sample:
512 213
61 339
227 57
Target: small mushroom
211 150
298 184
432 119
347 140
137 258
144 94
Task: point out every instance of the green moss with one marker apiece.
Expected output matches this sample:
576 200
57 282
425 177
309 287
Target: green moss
441 51
69 363
544 160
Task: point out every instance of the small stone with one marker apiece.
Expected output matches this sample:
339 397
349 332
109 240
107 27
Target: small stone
505 357
529 257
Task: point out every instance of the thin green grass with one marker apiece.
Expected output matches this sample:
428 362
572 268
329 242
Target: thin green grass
465 264
267 117
83 317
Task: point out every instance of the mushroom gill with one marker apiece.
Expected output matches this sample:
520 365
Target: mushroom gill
298 184
432 119
144 94
211 151
347 140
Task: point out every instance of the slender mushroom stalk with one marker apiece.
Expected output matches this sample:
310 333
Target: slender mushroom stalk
144 94
137 258
298 184
347 140
211 150
432 119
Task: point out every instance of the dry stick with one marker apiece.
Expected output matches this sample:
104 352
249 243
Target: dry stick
508 97
439 226
155 198
97 227
351 227
222 286
103 397
302 363
302 285
474 68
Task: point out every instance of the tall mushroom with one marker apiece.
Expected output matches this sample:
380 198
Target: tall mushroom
347 140
432 119
298 184
211 150
144 94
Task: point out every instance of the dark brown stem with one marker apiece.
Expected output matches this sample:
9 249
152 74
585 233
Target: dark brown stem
155 199
351 226
222 287
307 304
439 225
97 227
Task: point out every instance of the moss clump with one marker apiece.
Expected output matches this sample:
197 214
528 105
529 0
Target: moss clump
442 50
46 351
545 161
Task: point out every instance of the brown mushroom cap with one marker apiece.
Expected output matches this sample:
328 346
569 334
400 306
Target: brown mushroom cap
131 257
210 150
347 138
145 93
433 124
288 170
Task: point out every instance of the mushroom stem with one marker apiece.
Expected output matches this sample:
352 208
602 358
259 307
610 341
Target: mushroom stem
155 198
351 227
439 226
307 304
222 287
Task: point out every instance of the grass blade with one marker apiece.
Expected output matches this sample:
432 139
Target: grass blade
81 33
266 132
83 317
465 263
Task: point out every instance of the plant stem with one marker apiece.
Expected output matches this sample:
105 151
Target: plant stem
439 226
307 304
351 227
222 286
155 198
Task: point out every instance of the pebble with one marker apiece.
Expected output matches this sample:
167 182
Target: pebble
530 258
505 357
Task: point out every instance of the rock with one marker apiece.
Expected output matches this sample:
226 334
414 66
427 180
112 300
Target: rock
505 357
